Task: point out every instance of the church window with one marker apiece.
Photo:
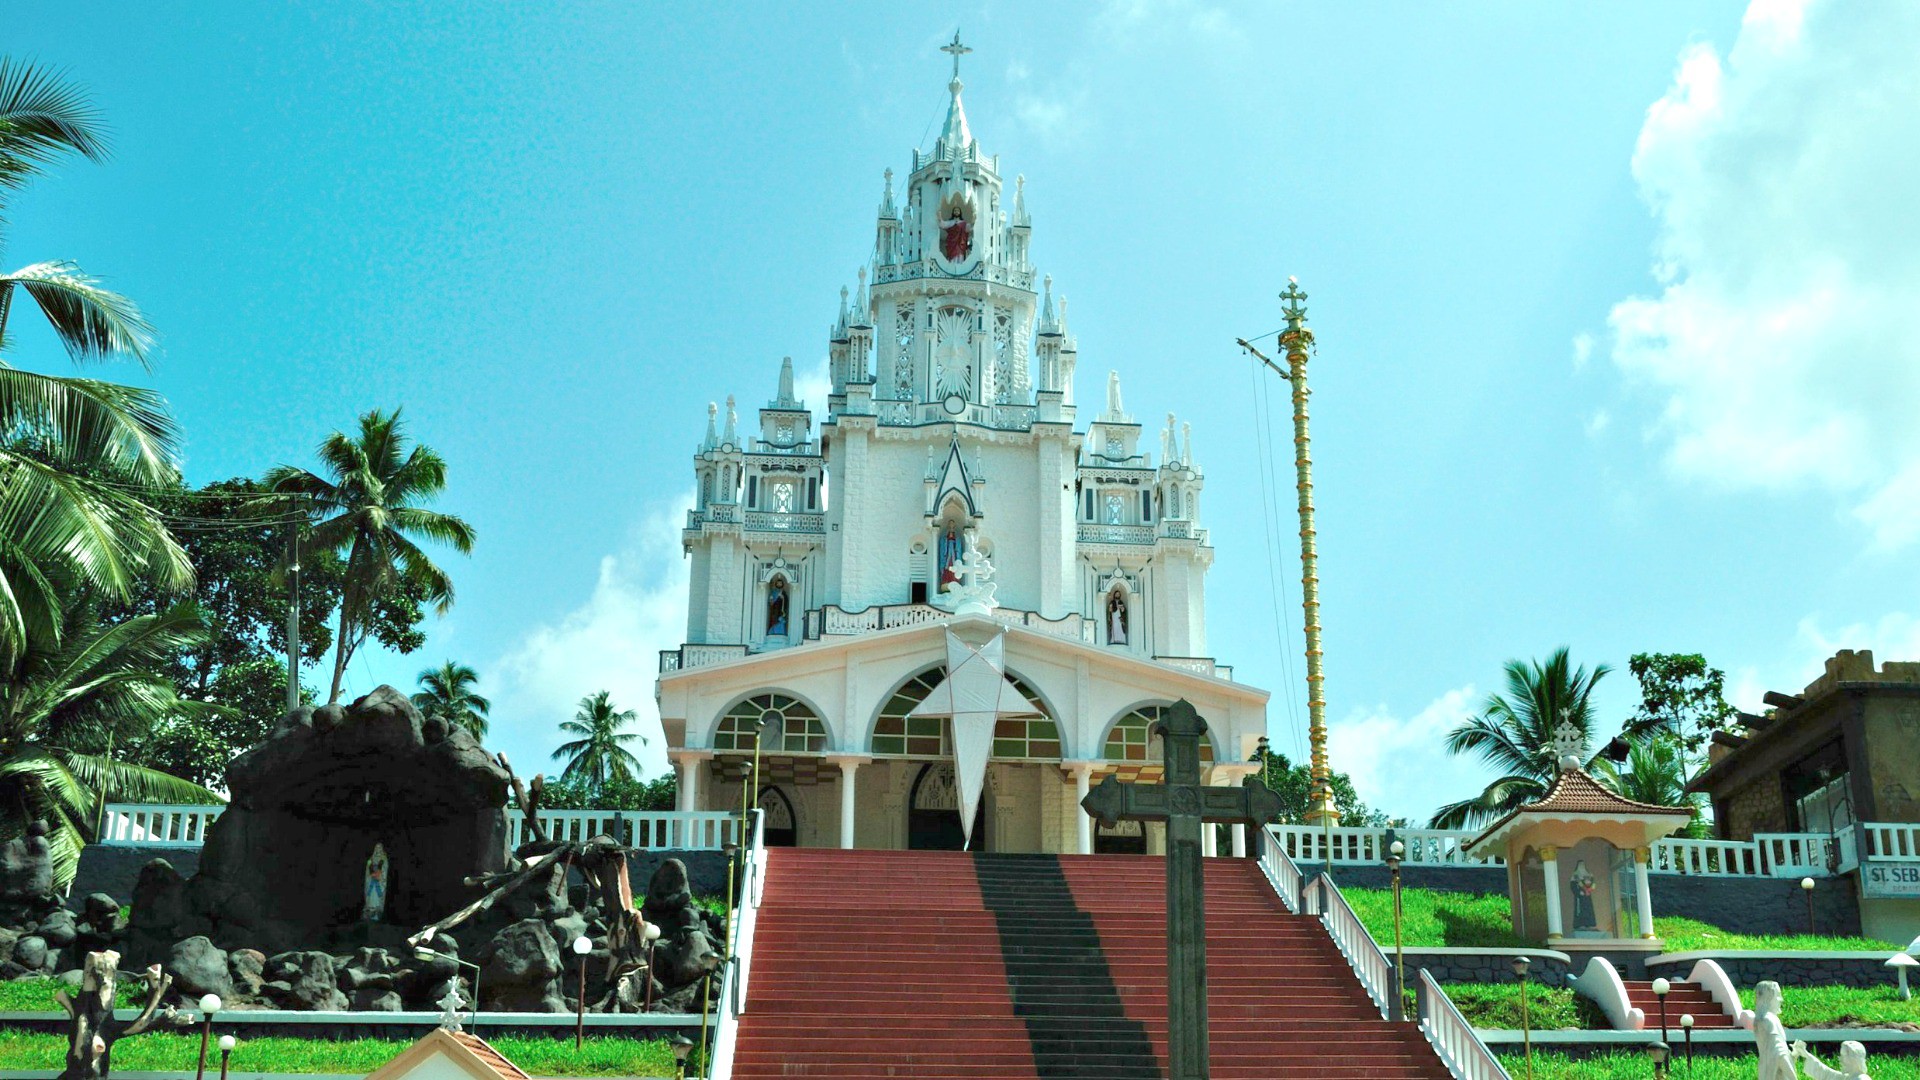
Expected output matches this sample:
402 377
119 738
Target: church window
1089 511
1131 738
1146 506
783 498
928 736
1003 356
813 493
752 490
903 354
796 729
706 489
1115 508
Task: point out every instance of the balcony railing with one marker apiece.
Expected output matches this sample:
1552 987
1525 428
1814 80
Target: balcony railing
1091 533
155 825
835 621
696 656
1199 665
767 521
179 826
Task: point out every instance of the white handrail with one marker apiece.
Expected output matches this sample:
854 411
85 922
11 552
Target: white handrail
169 825
1601 983
1286 878
1719 986
1356 944
739 961
1458 1045
680 830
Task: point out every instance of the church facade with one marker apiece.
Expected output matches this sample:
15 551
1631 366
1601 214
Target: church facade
946 501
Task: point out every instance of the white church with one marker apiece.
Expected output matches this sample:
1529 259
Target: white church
948 517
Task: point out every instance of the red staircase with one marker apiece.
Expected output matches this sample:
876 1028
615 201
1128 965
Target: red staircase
1683 998
872 964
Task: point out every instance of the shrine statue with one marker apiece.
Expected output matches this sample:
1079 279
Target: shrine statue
1853 1062
956 237
777 608
1582 882
949 559
1770 1035
374 906
1116 618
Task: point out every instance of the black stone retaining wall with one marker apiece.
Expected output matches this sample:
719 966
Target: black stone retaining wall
1462 879
1755 905
1482 966
1789 970
706 870
111 870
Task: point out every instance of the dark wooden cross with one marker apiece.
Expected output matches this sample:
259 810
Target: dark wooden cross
1184 804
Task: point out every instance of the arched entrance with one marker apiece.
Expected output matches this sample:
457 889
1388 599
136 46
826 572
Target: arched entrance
779 828
933 812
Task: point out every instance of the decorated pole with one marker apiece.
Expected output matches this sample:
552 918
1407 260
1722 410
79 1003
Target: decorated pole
1297 340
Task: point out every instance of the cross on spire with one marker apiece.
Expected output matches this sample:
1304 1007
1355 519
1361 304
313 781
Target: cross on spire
957 50
1295 306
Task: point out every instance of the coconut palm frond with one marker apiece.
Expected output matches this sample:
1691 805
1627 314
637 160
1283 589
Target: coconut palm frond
93 322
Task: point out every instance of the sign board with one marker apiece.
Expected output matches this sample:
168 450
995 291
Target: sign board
1887 878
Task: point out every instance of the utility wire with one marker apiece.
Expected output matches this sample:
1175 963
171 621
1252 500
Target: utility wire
1283 635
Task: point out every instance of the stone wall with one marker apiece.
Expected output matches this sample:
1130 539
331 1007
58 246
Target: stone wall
1490 880
111 870
1861 970
706 870
1548 968
1750 905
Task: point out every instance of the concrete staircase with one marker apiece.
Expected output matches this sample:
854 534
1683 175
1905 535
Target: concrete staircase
875 964
1683 999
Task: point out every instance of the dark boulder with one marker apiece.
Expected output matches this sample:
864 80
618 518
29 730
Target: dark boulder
303 980
519 972
247 968
199 968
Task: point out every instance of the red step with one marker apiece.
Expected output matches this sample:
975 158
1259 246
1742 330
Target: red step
1683 999
957 966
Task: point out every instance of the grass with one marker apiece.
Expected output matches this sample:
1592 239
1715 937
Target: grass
1843 1005
1497 1005
171 1052
36 995
1633 1065
1476 920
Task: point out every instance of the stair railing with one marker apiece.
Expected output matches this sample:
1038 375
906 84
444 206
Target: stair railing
739 962
1282 873
1458 1045
1363 954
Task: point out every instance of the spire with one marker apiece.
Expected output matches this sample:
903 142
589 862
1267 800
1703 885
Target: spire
732 437
955 137
1020 218
1048 324
862 307
1186 444
840 325
785 400
713 438
1166 443
887 209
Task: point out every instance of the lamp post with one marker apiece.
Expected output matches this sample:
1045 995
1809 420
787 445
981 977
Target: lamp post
1520 966
581 947
1394 852
1660 990
429 954
1806 886
209 1005
1686 1026
226 1051
682 1046
1659 1052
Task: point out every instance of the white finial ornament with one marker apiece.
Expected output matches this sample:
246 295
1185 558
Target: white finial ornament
1568 744
732 437
450 1018
713 434
1113 392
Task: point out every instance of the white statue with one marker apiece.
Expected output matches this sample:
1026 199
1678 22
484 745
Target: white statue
1853 1062
375 905
450 1019
1770 1035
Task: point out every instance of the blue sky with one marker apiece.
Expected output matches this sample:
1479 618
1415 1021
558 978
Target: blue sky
1613 303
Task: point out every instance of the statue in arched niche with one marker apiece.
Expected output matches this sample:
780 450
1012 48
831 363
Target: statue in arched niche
951 548
374 904
777 607
1117 617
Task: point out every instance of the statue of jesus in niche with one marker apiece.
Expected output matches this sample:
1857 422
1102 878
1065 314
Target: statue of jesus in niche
956 236
1116 618
949 559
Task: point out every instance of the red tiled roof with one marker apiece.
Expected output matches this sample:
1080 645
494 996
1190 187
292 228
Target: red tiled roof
1577 792
493 1058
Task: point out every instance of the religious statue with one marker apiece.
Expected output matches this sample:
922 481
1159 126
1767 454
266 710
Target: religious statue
1582 883
1853 1062
949 559
1770 1035
375 905
777 608
1116 618
956 236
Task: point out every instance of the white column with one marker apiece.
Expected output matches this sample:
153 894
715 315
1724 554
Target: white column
1642 891
1082 821
688 795
1239 841
1209 839
1550 871
847 798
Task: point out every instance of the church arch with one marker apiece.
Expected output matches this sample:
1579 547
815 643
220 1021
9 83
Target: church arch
802 729
1026 738
933 811
1129 738
781 825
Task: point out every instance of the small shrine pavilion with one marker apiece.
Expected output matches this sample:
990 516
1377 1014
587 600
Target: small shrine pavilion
1577 859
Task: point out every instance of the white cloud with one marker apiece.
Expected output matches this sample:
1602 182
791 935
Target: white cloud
1582 350
1893 636
610 642
1783 342
1400 764
1598 422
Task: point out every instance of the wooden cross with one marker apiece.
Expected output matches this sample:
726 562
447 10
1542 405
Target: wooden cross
1184 804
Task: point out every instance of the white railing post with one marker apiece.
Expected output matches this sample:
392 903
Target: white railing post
1453 1039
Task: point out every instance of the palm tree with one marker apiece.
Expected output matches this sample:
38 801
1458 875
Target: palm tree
447 692
1655 772
73 452
1514 733
600 753
370 509
70 697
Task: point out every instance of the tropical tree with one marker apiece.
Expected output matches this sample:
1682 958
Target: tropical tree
447 692
73 452
369 510
1514 733
1656 771
1681 696
64 707
1294 784
599 754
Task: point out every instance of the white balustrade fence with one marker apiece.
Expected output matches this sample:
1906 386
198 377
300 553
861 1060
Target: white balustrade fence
157 825
1361 951
1891 841
1458 1045
1281 871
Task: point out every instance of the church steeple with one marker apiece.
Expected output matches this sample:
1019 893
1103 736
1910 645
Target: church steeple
955 139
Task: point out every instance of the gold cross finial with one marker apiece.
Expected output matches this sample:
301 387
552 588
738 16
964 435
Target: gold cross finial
1295 306
957 50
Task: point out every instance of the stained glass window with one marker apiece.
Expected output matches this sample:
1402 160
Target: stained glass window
1131 739
800 730
927 736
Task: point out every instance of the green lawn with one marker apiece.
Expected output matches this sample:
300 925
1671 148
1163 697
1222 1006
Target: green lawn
1430 918
1631 1065
170 1052
1497 1005
36 995
1842 1005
